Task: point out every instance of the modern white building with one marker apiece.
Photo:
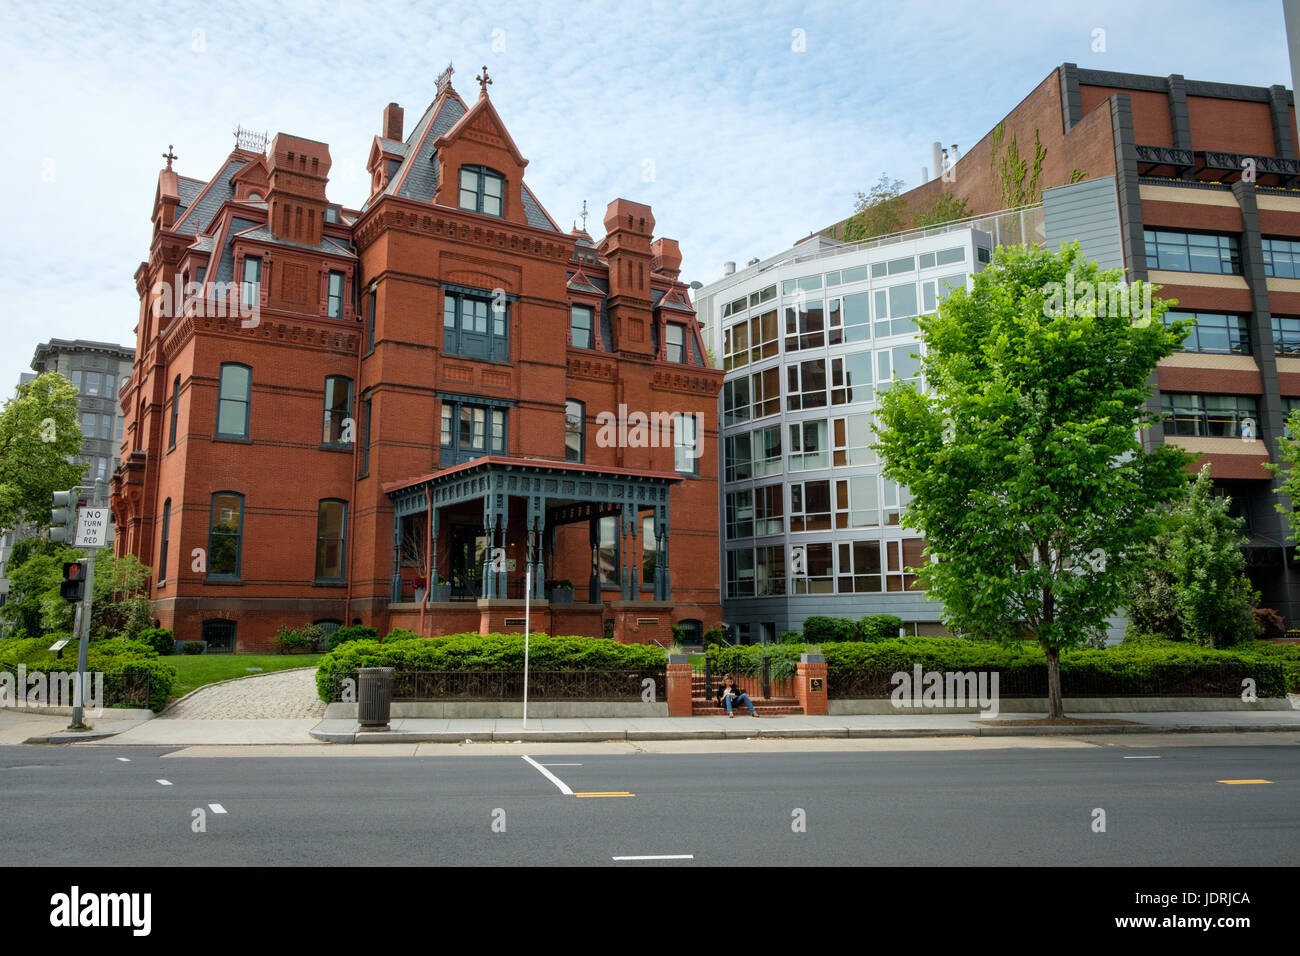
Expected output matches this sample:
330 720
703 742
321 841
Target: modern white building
809 339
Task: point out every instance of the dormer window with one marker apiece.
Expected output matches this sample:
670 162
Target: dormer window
482 190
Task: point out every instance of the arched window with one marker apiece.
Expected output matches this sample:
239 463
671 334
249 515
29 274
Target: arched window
234 400
482 190
219 635
575 422
331 539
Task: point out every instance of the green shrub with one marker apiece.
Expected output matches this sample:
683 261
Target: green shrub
880 627
193 647
354 632
121 661
401 634
714 636
484 652
790 637
160 639
818 629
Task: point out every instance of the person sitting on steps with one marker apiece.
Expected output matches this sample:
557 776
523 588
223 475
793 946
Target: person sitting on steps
729 693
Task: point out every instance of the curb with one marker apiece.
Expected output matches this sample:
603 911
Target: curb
834 733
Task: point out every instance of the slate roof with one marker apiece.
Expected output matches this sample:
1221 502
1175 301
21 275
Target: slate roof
536 214
392 146
261 233
199 213
226 267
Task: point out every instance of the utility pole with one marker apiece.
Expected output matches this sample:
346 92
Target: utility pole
67 527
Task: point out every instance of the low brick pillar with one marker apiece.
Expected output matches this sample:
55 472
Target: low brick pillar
810 684
679 685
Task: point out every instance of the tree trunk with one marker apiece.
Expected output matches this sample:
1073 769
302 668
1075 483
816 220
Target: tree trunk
1055 704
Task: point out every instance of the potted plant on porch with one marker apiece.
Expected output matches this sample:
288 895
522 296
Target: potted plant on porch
421 585
442 590
560 592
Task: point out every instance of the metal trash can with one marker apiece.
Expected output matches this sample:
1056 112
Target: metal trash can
374 697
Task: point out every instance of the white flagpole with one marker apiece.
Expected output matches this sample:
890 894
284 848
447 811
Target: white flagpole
528 593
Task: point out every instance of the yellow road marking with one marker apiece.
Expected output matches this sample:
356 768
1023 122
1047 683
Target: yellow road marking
1245 781
611 793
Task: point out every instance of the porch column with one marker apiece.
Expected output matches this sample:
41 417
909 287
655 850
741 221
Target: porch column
536 564
433 548
627 551
488 587
395 592
503 520
663 585
593 530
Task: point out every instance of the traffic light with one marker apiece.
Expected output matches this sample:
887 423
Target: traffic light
73 587
63 518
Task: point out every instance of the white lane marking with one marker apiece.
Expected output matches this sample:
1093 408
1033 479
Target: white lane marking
1154 757
561 765
124 759
564 787
216 808
165 783
667 856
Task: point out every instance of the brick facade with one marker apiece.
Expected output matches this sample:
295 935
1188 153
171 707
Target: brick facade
359 296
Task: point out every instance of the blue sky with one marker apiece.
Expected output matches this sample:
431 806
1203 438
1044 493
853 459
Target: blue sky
740 142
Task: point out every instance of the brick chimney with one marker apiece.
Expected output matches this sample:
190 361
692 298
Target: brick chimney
626 247
667 258
296 195
392 128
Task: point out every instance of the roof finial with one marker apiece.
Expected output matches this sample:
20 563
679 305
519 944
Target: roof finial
169 155
444 81
584 215
484 81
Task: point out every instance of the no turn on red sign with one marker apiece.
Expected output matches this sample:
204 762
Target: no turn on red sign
92 528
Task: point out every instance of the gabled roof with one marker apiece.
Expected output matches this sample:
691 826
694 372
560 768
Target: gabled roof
416 177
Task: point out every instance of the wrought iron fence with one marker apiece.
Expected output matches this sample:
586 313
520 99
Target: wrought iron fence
412 686
1136 680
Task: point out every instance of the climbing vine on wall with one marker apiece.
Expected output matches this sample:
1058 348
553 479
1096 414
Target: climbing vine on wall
1020 179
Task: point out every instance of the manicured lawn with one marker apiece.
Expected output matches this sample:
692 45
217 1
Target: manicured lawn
195 670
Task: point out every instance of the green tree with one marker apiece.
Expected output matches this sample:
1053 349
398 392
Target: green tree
1288 450
1028 478
946 208
1214 597
120 606
39 434
878 213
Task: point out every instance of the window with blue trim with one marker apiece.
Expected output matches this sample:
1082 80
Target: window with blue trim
225 535
476 326
471 431
482 190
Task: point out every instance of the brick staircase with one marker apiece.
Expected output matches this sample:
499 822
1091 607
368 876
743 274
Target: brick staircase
702 706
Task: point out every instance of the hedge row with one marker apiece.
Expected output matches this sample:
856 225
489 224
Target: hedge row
1274 668
470 652
134 661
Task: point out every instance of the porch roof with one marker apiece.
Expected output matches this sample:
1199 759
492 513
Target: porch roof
533 465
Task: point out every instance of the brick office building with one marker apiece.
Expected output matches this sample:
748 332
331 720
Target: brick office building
346 407
1193 186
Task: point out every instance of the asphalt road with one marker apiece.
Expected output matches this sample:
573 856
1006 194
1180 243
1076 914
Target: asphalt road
86 806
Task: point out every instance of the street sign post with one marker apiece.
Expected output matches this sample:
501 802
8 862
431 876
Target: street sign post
90 531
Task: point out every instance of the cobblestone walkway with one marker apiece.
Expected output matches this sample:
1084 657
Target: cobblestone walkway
262 696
